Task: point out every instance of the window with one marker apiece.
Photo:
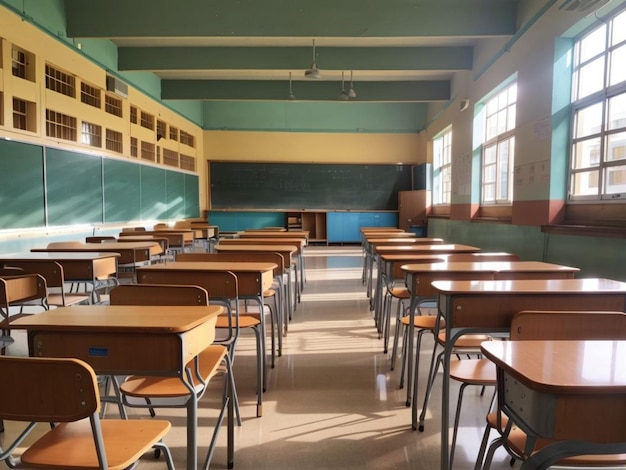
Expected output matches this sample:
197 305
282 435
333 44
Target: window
24 115
170 158
113 105
18 62
91 134
113 141
442 167
598 151
90 95
133 147
60 82
60 125
147 120
187 162
174 133
161 130
133 115
147 151
186 139
498 149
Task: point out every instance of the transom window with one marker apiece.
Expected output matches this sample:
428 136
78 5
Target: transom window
598 152
442 167
498 150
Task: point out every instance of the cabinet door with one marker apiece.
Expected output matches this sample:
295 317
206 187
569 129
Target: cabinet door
414 207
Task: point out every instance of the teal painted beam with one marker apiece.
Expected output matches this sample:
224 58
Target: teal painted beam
300 116
426 90
290 58
298 18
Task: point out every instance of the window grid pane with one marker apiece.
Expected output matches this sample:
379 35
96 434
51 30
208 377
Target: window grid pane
598 148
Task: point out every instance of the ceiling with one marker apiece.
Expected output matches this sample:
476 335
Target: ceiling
394 50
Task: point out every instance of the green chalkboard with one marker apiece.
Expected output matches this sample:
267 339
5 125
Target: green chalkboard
192 198
245 185
74 187
122 192
153 193
175 187
21 185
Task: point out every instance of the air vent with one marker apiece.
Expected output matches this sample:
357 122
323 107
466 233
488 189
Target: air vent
582 6
117 86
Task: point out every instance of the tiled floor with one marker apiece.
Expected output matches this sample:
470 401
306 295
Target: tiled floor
332 401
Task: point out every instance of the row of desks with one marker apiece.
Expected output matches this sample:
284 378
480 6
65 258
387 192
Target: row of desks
483 297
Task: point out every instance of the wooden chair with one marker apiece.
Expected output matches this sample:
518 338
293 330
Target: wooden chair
279 317
52 272
223 285
19 291
553 325
65 391
170 392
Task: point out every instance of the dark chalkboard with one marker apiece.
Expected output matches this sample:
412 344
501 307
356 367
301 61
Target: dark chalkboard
74 187
21 185
244 185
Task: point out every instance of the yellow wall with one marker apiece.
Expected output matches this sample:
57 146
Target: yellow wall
48 50
312 147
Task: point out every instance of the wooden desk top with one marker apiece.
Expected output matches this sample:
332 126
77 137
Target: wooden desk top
119 318
369 235
425 249
102 247
274 234
57 256
299 242
256 247
487 266
404 240
535 286
252 266
575 366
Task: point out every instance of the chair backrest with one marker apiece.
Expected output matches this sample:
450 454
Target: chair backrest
158 294
568 325
51 271
47 389
10 271
22 288
266 257
70 244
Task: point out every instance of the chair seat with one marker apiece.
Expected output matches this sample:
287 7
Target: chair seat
71 445
172 387
465 341
426 322
473 371
517 441
400 292
245 321
70 299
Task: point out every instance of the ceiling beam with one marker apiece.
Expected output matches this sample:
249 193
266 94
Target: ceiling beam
293 58
269 90
290 18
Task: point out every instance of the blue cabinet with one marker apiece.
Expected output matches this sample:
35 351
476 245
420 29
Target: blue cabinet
344 227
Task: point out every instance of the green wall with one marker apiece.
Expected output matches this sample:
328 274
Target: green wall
595 256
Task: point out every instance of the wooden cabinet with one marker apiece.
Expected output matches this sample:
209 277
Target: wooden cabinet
414 208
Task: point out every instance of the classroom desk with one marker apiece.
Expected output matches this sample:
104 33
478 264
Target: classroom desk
162 241
14 290
90 267
274 234
420 279
488 307
128 340
253 278
570 391
132 254
416 249
299 242
370 244
288 251
176 239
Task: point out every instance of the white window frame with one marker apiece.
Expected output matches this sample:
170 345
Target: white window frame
498 146
442 167
593 142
